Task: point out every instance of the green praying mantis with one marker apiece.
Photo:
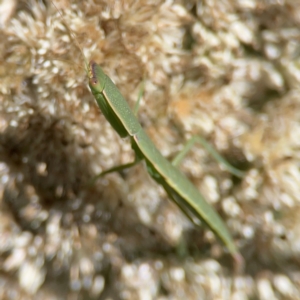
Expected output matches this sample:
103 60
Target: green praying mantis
177 186
118 113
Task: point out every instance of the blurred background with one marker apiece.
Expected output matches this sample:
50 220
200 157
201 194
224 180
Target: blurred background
227 70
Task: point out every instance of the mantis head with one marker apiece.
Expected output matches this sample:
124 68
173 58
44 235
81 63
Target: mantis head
96 78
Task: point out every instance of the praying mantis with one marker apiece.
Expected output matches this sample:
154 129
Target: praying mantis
177 186
118 113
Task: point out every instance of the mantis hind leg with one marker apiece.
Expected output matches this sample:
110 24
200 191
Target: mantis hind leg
197 139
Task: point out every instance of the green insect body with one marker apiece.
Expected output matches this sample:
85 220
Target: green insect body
118 113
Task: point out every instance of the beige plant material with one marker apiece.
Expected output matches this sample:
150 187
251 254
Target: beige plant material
226 70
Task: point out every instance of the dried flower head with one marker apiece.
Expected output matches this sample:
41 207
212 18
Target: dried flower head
226 70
